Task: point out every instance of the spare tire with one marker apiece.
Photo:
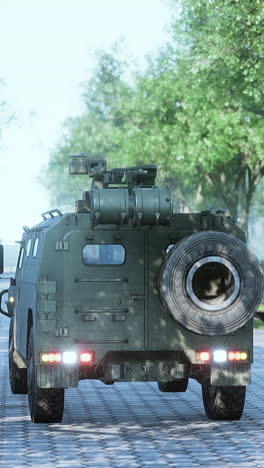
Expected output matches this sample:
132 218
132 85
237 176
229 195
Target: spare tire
211 283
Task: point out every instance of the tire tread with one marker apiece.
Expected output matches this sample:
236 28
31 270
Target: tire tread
223 402
46 405
17 377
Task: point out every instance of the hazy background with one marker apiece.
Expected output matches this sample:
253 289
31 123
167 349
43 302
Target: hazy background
194 106
46 52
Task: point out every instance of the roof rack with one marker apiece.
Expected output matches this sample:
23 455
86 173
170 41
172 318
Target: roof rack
51 213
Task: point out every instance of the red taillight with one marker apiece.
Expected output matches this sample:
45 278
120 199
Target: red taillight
86 357
220 355
203 356
67 357
237 356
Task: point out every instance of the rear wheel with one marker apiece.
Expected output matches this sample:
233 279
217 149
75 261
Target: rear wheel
17 377
45 404
173 387
223 402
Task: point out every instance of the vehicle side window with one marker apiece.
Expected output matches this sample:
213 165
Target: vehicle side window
28 247
20 258
103 254
35 247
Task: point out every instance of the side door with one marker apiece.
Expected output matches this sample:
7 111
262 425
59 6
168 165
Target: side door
25 291
17 297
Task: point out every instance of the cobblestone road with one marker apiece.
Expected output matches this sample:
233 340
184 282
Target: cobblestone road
131 425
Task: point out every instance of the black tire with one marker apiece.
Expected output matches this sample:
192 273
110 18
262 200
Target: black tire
223 402
17 377
173 387
211 283
45 404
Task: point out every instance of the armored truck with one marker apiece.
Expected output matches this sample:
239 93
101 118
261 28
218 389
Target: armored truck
126 290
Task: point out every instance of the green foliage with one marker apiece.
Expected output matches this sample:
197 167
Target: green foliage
196 112
227 71
258 324
90 133
225 39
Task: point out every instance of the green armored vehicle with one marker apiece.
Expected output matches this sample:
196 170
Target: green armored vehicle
125 290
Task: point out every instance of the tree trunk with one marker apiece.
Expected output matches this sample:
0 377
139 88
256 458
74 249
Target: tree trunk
243 222
234 185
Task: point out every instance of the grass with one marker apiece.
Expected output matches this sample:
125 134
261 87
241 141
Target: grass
258 323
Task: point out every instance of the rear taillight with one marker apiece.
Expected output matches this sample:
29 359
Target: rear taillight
50 358
237 356
204 356
86 358
68 357
221 356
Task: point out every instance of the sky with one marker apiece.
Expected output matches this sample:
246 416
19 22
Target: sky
47 50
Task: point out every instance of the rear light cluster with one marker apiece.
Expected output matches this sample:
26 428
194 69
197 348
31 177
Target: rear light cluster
67 357
50 357
237 356
221 355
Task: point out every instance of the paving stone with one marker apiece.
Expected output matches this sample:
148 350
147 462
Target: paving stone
131 425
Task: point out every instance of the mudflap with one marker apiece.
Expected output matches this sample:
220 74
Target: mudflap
235 374
57 377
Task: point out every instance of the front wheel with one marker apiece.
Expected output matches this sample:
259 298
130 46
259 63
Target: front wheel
45 404
223 402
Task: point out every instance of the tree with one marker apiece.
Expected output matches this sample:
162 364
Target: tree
92 132
226 47
196 111
225 40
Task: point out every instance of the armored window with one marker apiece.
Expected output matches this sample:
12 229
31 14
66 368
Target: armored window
20 258
35 248
28 246
103 254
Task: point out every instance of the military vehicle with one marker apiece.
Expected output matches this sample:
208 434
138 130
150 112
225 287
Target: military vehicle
126 290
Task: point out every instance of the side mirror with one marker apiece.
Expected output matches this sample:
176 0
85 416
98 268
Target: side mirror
2 293
1 259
